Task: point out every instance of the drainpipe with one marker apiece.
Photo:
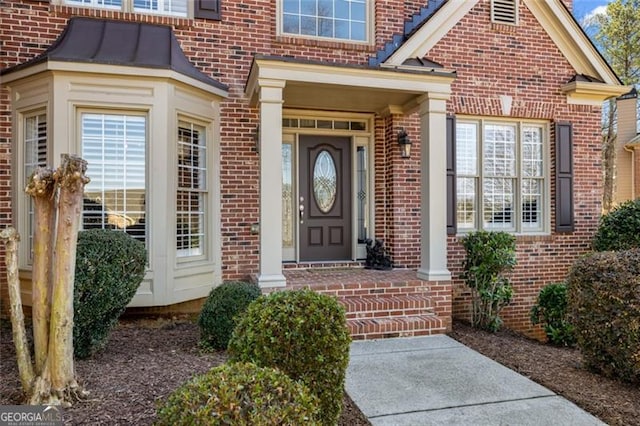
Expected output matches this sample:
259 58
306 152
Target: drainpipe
633 170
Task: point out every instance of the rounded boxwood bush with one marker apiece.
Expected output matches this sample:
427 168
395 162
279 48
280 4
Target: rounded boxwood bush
110 266
620 228
604 307
303 334
550 310
219 312
240 394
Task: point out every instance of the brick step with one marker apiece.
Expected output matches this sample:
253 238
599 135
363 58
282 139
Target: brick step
385 306
382 328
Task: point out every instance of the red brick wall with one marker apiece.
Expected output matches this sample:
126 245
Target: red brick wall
490 60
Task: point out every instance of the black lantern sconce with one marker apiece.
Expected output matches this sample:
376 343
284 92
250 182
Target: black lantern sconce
405 144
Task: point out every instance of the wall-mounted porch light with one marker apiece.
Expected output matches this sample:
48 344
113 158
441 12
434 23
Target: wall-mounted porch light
405 144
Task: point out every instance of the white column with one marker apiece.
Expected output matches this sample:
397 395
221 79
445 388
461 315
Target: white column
270 274
433 192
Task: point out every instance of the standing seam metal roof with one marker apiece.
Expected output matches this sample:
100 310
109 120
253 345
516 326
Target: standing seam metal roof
110 42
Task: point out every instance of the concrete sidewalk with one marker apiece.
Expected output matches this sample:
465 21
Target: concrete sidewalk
436 380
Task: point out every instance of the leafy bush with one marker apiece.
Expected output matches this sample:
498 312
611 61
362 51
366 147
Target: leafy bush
219 312
240 394
604 307
303 334
620 228
110 266
550 309
489 256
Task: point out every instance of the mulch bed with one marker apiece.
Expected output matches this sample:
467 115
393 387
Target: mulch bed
559 369
145 360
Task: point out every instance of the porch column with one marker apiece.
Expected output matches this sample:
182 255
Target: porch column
270 99
433 192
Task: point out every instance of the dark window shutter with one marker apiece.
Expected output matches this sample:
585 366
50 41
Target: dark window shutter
564 177
207 9
451 175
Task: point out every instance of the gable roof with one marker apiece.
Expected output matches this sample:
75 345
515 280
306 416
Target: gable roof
553 16
109 42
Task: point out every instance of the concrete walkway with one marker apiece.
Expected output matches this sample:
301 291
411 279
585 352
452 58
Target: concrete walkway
436 380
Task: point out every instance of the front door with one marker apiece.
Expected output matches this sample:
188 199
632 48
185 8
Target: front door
325 198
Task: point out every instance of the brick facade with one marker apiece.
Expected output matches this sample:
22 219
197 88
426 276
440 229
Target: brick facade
490 60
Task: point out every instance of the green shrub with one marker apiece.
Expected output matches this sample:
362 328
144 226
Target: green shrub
219 312
303 334
490 255
604 307
550 310
620 228
110 266
240 394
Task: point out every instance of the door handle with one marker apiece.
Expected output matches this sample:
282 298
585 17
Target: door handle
301 210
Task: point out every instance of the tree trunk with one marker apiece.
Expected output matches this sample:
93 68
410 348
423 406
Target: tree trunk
41 188
23 356
70 178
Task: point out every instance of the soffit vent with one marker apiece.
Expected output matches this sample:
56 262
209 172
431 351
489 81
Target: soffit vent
504 11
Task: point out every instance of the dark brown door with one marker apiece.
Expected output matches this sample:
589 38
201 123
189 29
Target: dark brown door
325 198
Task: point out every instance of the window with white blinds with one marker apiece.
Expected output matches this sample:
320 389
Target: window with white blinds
164 7
500 176
167 7
114 146
191 194
35 155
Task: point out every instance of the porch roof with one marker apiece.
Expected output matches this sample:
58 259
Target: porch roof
345 87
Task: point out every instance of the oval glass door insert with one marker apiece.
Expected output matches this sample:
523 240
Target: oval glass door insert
324 181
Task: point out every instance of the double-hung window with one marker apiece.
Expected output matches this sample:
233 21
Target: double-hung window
332 19
500 176
191 196
35 155
114 146
165 7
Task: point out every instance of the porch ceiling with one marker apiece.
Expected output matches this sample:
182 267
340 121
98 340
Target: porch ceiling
323 86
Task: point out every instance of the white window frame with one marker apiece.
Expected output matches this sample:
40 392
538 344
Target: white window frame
128 6
519 227
369 26
189 255
27 227
115 223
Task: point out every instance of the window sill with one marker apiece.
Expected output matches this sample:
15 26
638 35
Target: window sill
332 44
520 238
